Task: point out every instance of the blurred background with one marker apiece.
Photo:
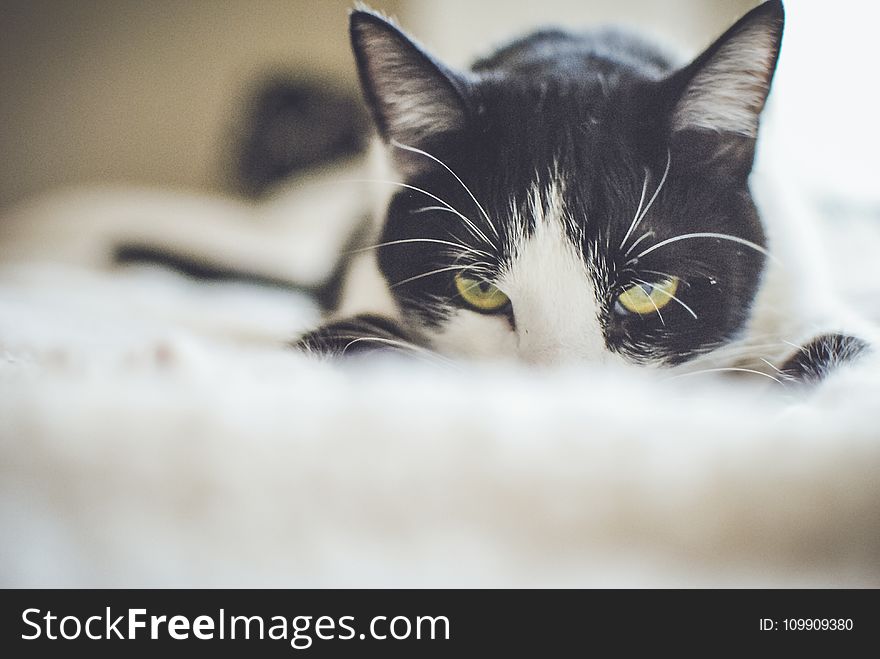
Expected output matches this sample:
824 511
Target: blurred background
230 97
156 92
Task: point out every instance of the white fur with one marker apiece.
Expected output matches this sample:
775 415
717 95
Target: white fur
476 336
557 313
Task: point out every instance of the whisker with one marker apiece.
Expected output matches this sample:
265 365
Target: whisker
660 290
639 218
481 268
773 366
665 274
690 236
657 309
653 304
446 205
659 187
449 169
377 339
420 240
647 234
402 346
795 346
472 228
428 274
635 219
733 354
732 350
728 368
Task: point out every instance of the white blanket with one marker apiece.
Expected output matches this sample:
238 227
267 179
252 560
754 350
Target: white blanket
155 431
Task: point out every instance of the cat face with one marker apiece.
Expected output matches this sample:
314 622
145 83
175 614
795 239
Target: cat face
572 197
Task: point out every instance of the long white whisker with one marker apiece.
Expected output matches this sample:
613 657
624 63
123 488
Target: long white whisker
449 169
446 205
635 219
728 368
647 234
773 366
479 267
428 274
667 293
474 230
795 346
657 309
663 274
655 195
425 355
377 339
461 246
659 187
727 352
689 236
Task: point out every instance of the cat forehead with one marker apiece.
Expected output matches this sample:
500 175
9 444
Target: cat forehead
556 106
576 132
584 163
560 78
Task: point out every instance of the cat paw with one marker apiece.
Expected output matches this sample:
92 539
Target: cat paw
361 334
814 361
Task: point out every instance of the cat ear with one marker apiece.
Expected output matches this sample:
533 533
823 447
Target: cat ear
725 88
411 96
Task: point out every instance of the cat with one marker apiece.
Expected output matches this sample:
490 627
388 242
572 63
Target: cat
576 197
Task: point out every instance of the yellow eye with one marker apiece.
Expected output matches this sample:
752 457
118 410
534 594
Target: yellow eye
480 294
645 299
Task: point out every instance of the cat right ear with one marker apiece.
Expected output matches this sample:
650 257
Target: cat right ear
412 97
727 86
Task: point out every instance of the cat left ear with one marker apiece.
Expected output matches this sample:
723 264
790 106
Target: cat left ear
726 87
412 97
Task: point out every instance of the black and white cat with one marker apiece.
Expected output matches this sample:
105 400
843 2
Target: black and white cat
577 197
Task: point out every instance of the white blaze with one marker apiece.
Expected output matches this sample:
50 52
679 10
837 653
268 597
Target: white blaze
554 297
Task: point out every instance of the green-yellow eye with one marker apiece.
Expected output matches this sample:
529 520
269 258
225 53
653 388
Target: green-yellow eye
480 294
645 299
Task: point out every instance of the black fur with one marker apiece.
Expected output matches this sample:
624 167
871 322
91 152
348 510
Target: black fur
814 361
597 109
358 335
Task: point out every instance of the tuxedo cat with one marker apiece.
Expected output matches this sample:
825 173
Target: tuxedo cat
577 197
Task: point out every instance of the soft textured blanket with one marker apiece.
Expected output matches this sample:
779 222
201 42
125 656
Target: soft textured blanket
154 430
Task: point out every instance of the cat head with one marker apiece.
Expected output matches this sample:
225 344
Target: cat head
572 196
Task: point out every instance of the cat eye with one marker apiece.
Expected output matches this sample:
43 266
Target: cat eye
480 294
645 298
